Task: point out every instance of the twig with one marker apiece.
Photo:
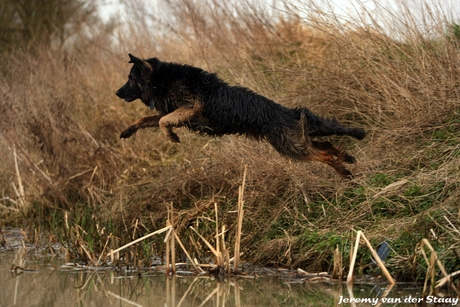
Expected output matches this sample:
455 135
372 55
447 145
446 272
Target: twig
353 259
185 251
168 244
140 239
378 260
213 250
442 281
219 254
426 243
173 243
103 250
21 194
240 222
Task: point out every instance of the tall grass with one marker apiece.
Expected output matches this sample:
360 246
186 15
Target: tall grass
393 74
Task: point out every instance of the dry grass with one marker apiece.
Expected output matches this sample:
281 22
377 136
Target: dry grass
400 83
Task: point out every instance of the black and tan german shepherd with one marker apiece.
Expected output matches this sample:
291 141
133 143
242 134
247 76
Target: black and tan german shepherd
187 96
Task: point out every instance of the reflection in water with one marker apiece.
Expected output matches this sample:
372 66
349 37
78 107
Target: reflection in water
35 282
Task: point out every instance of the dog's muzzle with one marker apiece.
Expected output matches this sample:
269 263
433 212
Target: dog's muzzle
119 93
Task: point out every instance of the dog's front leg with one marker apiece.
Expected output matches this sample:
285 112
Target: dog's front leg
144 122
178 118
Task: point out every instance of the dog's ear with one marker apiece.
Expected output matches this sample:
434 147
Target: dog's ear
143 65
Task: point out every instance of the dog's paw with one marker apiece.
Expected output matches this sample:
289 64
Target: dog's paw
173 137
349 159
128 132
347 174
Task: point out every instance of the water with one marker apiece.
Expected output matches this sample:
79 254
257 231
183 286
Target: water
48 281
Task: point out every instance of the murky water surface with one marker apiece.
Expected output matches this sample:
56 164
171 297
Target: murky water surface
27 278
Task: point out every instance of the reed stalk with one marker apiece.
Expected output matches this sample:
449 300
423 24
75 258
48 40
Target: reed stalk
353 258
236 262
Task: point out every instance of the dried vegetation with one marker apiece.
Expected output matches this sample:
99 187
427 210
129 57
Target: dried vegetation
395 75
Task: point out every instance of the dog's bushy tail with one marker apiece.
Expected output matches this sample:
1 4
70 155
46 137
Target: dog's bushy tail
317 126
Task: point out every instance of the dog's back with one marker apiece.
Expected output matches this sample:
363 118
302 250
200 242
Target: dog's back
238 110
234 109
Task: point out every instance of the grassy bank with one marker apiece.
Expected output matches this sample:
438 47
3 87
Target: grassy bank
66 170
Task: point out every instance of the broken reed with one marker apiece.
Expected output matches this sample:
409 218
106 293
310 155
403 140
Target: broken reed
430 273
374 254
220 251
432 262
223 261
240 221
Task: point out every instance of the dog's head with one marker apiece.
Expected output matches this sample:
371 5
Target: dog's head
137 86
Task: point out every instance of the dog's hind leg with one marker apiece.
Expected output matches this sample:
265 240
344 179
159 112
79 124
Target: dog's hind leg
324 152
144 122
180 117
336 151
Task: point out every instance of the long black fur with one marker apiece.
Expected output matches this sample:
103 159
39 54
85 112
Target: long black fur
226 109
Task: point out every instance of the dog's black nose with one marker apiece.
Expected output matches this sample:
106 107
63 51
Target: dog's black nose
119 93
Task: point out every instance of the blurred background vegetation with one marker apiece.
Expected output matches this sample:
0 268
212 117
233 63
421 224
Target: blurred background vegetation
28 25
386 70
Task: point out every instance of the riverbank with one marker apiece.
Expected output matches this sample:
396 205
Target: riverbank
67 173
56 281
